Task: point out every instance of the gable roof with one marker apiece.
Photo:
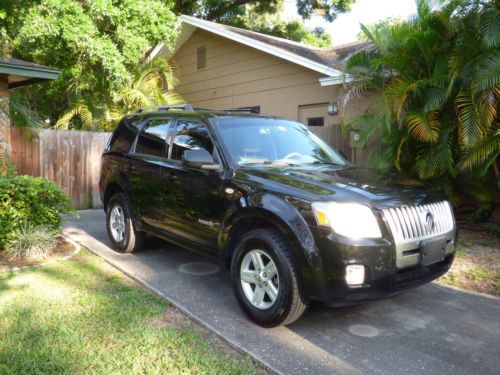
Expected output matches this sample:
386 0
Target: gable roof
322 60
22 73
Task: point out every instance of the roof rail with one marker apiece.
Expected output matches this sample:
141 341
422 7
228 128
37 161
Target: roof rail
234 110
241 110
184 107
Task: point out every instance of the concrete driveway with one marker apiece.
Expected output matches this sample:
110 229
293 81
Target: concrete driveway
431 329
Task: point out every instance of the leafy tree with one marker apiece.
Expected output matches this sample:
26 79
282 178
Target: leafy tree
263 16
96 44
150 84
440 79
273 24
226 10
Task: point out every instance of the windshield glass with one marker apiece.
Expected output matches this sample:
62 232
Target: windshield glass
270 141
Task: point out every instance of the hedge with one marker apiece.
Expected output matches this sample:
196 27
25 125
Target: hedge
29 200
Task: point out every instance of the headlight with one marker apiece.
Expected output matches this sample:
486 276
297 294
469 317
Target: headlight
347 219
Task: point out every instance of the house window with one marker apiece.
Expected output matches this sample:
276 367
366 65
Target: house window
316 121
253 109
201 57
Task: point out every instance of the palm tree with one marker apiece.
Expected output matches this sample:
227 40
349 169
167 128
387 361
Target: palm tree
439 74
152 84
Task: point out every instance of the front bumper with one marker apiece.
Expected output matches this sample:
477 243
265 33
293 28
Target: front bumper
382 276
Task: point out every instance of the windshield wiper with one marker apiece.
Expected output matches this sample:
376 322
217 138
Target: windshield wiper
273 163
325 163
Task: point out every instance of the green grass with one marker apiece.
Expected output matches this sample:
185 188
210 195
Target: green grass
82 317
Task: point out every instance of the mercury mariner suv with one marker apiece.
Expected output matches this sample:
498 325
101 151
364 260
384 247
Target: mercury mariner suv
291 218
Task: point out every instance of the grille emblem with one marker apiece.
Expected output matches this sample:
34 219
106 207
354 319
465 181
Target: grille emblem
428 219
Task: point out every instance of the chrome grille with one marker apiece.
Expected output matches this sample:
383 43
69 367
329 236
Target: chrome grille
410 223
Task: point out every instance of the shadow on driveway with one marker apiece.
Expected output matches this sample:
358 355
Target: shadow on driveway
432 329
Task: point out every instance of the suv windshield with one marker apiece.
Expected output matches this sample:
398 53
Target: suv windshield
272 141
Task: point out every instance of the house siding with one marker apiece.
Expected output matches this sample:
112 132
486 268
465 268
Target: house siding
238 76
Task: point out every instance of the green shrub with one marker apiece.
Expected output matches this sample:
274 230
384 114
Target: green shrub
32 242
29 200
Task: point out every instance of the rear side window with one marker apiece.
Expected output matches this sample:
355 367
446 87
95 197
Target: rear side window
190 135
124 136
153 139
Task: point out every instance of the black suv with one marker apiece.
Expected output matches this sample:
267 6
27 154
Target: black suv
293 220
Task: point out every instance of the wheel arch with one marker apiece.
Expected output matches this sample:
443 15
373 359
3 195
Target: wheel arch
269 211
111 189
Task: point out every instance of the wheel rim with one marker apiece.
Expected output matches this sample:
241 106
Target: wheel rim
117 223
259 279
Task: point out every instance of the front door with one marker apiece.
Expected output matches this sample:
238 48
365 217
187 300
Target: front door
196 201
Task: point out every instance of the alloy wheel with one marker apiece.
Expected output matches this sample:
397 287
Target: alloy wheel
259 279
117 223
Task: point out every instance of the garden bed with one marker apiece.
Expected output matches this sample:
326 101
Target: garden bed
477 263
63 249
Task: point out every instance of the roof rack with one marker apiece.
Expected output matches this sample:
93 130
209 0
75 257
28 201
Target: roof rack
190 108
183 107
233 110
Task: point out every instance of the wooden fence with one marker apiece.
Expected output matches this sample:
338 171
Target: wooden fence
68 157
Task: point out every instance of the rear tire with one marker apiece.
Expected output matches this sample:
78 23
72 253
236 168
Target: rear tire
266 279
124 237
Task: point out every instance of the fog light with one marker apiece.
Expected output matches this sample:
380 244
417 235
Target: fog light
355 274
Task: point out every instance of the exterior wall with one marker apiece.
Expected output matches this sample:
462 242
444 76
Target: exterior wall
4 121
238 76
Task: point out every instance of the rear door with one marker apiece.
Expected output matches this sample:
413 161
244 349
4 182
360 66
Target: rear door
144 170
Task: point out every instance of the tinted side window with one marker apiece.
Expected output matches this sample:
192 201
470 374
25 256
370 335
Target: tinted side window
190 135
124 136
153 138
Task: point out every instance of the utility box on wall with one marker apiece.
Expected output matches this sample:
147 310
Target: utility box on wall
354 139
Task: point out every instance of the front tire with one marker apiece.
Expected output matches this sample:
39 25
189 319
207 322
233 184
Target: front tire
124 237
266 279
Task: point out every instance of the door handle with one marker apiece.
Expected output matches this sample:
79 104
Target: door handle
172 176
130 167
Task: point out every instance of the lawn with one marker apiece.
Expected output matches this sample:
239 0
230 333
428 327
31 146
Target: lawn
81 316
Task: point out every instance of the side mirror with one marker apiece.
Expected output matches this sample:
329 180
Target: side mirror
200 159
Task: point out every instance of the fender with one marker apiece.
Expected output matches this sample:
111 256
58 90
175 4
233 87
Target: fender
278 211
117 183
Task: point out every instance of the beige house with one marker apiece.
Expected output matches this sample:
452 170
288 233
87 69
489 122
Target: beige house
224 67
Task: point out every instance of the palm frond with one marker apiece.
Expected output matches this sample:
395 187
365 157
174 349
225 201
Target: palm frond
435 159
79 108
424 126
172 98
22 115
486 151
489 28
435 98
486 74
469 124
487 109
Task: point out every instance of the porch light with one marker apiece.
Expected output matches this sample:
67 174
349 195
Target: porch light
332 109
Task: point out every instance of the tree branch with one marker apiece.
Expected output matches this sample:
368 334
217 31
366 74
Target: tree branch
217 12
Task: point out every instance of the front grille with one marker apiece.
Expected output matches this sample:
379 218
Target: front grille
410 223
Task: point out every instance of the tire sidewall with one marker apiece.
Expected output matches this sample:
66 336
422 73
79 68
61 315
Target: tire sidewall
275 314
119 200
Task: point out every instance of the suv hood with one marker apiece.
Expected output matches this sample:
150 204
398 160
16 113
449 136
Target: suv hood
349 183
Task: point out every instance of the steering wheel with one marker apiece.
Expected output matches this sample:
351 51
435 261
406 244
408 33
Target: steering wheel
293 155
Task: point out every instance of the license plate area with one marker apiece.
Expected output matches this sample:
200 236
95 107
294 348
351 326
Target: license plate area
432 251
